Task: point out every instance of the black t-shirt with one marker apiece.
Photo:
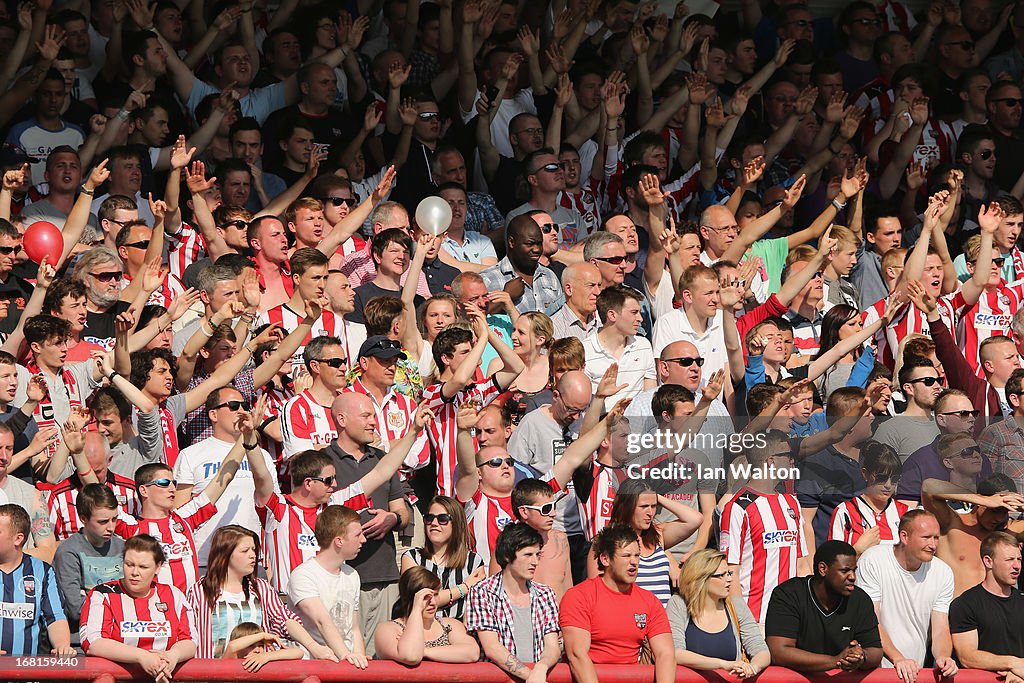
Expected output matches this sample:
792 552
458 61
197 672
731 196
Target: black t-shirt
99 327
794 612
371 291
439 276
999 621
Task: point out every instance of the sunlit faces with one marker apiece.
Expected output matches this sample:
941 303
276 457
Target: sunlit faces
459 203
160 381
109 424
622 567
921 539
308 226
340 292
140 570
8 382
703 296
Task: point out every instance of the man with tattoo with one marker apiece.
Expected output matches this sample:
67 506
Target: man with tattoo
516 618
39 542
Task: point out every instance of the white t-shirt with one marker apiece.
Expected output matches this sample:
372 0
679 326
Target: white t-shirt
197 465
635 365
339 594
907 598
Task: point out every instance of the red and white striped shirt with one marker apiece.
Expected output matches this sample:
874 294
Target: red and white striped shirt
184 249
585 202
908 321
442 430
175 533
288 530
597 508
276 399
155 622
394 418
274 613
763 534
330 324
305 424
851 519
990 317
61 503
487 516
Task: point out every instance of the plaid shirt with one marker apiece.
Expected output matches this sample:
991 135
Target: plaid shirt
483 212
1003 444
545 291
489 609
197 425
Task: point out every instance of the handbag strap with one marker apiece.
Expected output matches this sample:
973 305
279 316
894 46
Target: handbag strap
736 625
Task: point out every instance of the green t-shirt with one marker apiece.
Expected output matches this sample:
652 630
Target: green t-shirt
773 253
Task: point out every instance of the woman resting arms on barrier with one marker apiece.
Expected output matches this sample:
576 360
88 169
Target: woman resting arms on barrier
135 620
418 633
256 647
710 629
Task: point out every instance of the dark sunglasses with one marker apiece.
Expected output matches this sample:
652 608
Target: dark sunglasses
427 115
141 244
1010 101
686 361
443 519
927 381
338 201
233 406
163 483
613 260
548 228
109 276
385 344
966 45
326 481
497 462
237 223
802 23
986 154
864 21
998 261
550 168
547 509
967 452
7 251
963 414
333 362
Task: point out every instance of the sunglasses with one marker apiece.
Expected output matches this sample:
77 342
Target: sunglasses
864 21
237 223
1010 101
963 414
108 276
548 228
233 406
497 462
427 115
338 201
966 45
163 483
686 362
326 481
141 244
998 261
721 575
987 154
7 251
968 452
547 509
443 519
927 381
386 344
333 362
613 260
802 23
550 168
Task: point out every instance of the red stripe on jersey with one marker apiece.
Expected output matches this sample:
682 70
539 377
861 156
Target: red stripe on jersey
442 429
597 509
64 513
288 538
330 324
154 622
487 516
175 533
305 424
851 519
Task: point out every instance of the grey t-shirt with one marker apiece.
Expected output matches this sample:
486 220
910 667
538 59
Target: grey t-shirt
80 566
907 434
522 634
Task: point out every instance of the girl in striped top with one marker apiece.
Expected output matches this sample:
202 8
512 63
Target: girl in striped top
230 594
446 553
635 506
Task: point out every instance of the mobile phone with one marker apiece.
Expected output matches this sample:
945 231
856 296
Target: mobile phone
492 93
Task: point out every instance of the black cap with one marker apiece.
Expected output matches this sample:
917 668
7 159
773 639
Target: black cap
379 346
12 157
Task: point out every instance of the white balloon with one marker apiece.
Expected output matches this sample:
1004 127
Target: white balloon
433 215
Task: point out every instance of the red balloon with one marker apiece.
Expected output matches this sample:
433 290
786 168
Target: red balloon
43 238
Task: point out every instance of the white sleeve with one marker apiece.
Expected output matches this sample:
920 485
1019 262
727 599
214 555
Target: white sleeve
302 585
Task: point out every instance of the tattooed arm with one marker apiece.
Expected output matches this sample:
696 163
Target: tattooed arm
499 655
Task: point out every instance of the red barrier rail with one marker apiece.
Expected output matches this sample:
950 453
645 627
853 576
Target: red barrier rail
92 668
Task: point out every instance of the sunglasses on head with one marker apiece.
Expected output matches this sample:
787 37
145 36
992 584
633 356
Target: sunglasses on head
613 260
443 519
326 481
233 406
237 223
163 483
333 362
547 509
927 381
338 201
109 276
497 462
141 244
686 361
548 228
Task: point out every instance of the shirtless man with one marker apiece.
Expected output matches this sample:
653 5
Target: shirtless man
964 527
533 503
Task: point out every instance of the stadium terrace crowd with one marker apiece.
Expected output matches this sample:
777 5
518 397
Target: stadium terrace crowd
265 400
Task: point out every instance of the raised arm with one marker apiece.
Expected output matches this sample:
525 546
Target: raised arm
74 226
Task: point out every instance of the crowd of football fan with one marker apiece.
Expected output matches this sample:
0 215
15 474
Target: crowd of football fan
254 408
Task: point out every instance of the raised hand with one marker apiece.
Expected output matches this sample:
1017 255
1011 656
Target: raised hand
915 176
371 119
407 112
715 116
792 195
564 23
141 13
852 116
740 100
698 88
511 66
639 40
919 111
989 217
753 171
384 186
15 179
228 18
182 303
180 155
835 108
98 175
650 190
53 39
398 75
195 178
356 33
714 386
688 38
805 102
917 293
609 384
783 53
529 41
563 93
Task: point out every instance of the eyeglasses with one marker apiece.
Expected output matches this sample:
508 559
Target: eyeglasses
1010 101
730 573
927 381
547 509
141 244
968 452
497 462
237 223
326 481
724 230
338 201
864 21
965 45
686 361
163 483
7 251
443 519
550 168
233 406
986 154
962 414
613 260
333 362
548 228
109 276
427 115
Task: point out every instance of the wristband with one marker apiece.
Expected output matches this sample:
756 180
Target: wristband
112 375
86 191
250 446
839 206
82 474
123 114
202 328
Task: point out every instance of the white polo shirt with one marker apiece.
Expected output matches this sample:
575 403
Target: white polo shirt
675 326
635 365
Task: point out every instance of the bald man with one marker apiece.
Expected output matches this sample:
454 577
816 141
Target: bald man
581 283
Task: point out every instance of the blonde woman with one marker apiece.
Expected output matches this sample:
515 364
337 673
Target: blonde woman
712 630
532 337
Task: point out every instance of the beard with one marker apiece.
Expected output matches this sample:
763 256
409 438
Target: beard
102 299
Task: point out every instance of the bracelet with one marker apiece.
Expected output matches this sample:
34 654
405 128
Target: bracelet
112 375
202 328
832 150
251 352
86 191
82 474
458 587
123 115
250 446
839 206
